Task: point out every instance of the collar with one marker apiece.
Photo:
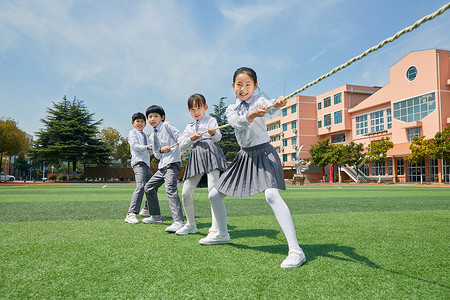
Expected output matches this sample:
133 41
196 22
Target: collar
250 100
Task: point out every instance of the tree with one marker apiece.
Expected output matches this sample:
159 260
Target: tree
115 142
376 151
435 148
123 151
13 141
321 154
69 134
228 143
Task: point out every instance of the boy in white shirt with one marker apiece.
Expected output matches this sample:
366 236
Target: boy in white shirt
140 162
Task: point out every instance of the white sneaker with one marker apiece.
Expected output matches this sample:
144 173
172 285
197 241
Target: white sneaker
131 218
213 230
156 219
144 213
214 238
174 227
187 229
295 259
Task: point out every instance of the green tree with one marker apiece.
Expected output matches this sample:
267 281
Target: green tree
123 150
321 154
69 134
435 148
13 141
228 143
113 140
376 151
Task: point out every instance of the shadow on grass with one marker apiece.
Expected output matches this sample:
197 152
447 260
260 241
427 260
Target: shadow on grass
334 251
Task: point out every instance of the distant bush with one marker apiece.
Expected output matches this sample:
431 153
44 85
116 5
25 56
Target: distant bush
52 176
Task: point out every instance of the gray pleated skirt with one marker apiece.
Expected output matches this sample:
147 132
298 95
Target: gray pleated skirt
205 156
252 171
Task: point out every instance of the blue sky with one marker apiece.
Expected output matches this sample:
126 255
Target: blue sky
120 57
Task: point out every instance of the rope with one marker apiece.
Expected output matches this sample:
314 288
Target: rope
388 40
365 53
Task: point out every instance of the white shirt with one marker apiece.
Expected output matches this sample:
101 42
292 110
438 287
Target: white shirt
167 135
138 147
203 125
254 133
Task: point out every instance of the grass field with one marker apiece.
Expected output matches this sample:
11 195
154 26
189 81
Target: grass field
70 241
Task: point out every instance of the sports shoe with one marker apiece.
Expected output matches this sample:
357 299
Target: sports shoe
144 213
131 218
214 238
295 259
174 227
187 229
155 219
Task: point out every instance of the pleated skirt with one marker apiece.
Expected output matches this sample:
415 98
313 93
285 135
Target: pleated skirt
205 156
252 171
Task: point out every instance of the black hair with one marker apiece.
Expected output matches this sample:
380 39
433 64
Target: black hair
137 116
196 99
155 109
250 72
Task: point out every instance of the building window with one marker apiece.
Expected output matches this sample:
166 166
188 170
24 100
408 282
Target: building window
337 98
294 141
327 102
414 109
294 125
274 138
319 124
416 172
327 120
284 112
376 121
361 125
388 118
378 168
293 109
390 167
284 142
319 105
271 127
412 132
285 127
411 73
446 171
434 170
337 138
400 166
293 156
338 117
365 169
284 157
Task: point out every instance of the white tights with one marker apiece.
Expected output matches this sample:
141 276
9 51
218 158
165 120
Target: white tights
187 195
275 201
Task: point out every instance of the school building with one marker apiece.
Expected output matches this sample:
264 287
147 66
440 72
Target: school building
415 102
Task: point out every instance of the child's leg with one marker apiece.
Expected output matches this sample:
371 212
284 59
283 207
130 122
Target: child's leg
171 180
153 194
187 197
151 188
213 176
283 216
220 211
136 199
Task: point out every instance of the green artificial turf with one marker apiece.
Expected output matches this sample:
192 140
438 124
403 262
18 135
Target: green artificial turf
70 242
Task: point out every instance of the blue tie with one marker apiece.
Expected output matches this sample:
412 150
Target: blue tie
243 108
156 141
144 137
196 125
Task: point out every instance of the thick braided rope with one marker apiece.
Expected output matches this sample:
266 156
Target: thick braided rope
348 63
388 40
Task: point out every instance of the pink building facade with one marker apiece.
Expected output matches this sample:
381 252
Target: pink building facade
415 102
